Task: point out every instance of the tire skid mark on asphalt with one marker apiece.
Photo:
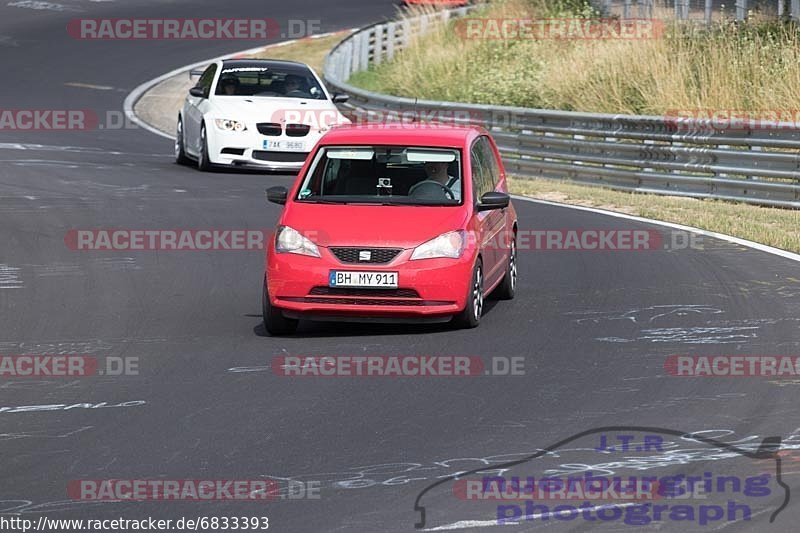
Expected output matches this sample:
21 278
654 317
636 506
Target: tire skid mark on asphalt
39 5
44 434
647 314
9 41
693 335
66 407
403 473
10 277
19 507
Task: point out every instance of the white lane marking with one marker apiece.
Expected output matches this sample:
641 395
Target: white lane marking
41 162
463 524
89 86
57 269
138 92
77 149
728 238
240 369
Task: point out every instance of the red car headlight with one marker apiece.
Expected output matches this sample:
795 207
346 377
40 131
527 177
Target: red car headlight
446 245
290 241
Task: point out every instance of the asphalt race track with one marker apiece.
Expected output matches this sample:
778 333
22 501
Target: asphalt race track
594 328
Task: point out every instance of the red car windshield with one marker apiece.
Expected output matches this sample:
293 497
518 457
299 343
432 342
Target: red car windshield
385 175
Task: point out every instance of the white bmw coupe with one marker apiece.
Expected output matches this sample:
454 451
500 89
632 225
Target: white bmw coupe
255 113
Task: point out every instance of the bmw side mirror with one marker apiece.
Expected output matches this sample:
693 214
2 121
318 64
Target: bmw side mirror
277 194
493 200
197 91
340 98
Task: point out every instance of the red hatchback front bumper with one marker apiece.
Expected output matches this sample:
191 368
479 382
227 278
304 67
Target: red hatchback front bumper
428 289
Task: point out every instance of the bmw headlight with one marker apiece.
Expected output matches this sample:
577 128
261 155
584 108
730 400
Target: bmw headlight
446 245
290 241
226 124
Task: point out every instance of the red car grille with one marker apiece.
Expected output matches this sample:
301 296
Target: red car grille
364 301
376 293
376 255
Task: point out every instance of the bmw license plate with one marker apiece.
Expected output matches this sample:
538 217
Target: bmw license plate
378 280
284 146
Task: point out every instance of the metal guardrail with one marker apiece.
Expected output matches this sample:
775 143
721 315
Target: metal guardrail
663 155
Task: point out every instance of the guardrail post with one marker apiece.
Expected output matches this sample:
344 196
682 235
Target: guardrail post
406 33
626 9
363 49
377 53
796 9
355 53
391 35
709 11
741 9
682 9
645 9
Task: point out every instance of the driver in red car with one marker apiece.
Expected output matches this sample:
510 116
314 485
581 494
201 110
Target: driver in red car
437 171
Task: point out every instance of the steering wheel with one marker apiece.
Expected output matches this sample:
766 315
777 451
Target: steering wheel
428 184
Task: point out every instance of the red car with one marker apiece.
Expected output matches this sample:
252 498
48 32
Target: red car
392 223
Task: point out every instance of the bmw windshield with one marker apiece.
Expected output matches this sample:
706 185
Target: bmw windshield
269 81
387 175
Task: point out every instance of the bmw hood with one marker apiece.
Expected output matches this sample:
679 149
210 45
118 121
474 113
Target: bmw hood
252 110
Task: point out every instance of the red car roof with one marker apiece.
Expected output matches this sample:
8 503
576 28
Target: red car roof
403 134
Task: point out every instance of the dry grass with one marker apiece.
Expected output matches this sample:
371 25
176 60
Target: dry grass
750 67
310 51
774 227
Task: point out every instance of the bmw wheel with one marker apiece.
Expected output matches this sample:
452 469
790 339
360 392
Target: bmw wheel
203 163
180 153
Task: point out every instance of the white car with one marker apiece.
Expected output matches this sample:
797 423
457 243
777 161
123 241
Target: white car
255 113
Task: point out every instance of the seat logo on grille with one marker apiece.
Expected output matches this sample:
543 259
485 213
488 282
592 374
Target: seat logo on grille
364 255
